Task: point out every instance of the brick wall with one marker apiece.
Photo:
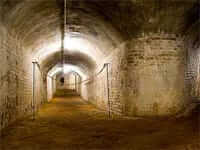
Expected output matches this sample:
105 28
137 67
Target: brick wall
16 80
51 87
96 90
155 77
192 74
146 76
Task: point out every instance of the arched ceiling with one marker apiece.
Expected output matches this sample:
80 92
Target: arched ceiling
95 26
74 58
39 23
66 69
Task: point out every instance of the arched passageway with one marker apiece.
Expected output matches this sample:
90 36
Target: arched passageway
127 58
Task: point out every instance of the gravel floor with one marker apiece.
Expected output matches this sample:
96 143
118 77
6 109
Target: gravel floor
68 123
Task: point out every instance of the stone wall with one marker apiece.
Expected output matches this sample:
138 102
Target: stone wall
96 89
16 80
40 87
51 87
146 77
192 74
155 77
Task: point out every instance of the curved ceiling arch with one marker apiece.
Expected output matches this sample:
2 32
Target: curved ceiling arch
67 68
74 58
39 25
78 44
101 24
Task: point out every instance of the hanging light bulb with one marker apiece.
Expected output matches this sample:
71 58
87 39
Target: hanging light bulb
64 30
63 41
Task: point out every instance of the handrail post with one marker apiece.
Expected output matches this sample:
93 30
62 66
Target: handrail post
33 90
108 90
75 82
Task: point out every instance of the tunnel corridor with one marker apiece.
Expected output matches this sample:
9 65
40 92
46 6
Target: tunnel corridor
99 74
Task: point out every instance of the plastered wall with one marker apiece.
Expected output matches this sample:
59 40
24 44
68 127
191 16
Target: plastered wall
16 80
146 77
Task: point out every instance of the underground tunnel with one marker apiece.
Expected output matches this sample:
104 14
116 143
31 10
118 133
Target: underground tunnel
99 74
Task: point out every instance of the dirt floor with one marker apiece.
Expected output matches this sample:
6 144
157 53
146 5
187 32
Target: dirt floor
71 124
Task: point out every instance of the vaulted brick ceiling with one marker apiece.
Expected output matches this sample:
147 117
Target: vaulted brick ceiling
104 24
